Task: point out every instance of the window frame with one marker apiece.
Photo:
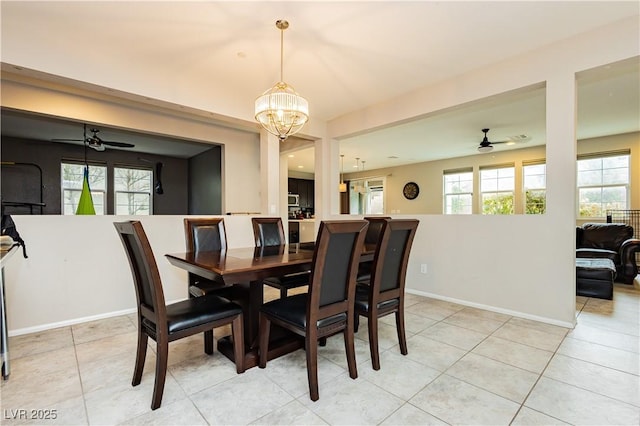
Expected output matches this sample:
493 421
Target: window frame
446 195
64 189
525 189
116 192
497 192
627 185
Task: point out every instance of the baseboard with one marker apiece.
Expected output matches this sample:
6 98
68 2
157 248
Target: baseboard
66 323
495 309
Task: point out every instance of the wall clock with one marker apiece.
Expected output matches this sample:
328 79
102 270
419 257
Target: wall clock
410 190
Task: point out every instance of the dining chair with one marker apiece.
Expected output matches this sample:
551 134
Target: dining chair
167 323
204 234
269 231
384 293
328 307
372 237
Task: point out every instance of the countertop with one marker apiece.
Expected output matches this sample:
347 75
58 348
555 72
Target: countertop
302 220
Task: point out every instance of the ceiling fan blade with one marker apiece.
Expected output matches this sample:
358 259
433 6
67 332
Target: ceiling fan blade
118 144
66 140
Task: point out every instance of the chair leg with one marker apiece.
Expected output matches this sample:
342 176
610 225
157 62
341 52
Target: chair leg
402 336
311 349
283 293
356 322
237 334
162 354
373 341
208 342
141 354
350 348
263 348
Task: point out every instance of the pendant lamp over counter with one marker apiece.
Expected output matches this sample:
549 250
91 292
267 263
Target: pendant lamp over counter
342 186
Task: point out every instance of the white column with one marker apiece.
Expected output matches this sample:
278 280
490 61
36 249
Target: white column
561 187
327 178
270 171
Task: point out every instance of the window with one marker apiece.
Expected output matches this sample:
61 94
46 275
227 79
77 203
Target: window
366 196
458 191
497 185
72 176
132 191
603 183
534 180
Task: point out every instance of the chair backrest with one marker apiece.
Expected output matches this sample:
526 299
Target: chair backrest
335 264
268 231
374 229
146 278
391 258
205 234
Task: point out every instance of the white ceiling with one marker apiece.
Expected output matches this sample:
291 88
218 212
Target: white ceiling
219 56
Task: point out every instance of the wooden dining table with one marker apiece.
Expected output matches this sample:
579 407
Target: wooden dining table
245 269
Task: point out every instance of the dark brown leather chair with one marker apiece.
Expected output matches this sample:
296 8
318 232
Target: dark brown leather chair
269 231
372 237
166 323
204 234
328 307
384 293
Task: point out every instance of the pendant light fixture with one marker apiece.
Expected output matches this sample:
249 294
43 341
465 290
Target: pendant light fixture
280 110
342 186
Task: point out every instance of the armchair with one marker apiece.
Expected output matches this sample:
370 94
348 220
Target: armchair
610 241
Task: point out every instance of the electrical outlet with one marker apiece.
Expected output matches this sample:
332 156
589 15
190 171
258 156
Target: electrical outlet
423 268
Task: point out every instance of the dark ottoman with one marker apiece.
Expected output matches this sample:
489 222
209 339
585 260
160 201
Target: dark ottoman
594 277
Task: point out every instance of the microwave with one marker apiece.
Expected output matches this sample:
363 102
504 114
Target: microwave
293 200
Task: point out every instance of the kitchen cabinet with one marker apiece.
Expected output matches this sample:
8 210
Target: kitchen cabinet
305 188
293 186
307 231
302 230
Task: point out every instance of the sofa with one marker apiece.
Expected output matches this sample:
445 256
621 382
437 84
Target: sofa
612 241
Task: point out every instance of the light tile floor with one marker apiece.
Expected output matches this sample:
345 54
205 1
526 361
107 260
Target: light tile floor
465 366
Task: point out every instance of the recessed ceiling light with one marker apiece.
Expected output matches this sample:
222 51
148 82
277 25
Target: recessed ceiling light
291 155
392 157
301 167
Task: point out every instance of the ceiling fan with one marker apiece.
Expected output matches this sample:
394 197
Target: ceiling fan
94 141
487 146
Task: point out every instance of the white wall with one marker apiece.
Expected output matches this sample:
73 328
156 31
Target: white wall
77 269
518 264
241 149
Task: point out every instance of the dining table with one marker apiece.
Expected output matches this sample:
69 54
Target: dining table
245 269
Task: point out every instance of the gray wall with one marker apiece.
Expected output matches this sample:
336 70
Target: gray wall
205 182
21 183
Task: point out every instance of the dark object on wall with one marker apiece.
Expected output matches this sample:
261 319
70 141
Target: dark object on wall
410 190
9 228
159 189
23 179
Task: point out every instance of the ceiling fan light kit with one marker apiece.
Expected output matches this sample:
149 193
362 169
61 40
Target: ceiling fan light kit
281 110
487 146
95 142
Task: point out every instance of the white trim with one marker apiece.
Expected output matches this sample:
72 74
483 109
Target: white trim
66 323
494 309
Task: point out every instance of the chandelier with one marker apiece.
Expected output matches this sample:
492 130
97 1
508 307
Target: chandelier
280 110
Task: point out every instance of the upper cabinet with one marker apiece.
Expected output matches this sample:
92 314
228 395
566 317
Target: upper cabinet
305 189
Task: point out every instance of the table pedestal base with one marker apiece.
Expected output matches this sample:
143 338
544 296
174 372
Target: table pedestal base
277 348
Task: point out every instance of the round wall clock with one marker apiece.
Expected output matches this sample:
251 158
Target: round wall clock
410 190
